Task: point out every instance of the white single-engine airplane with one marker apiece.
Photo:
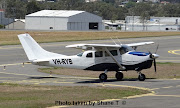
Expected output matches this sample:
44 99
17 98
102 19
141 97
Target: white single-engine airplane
96 57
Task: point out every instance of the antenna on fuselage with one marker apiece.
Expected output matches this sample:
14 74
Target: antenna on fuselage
119 40
114 41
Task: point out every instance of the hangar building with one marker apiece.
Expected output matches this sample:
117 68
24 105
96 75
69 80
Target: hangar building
3 19
134 23
63 20
18 24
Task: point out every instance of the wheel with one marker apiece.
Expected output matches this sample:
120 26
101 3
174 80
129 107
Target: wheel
142 77
103 77
119 76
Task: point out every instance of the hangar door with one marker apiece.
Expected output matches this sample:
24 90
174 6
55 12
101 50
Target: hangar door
93 26
76 26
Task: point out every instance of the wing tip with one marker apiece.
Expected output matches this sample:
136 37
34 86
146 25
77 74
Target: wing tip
25 34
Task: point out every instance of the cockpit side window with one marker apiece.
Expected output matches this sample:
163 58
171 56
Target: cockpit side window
89 55
124 49
99 54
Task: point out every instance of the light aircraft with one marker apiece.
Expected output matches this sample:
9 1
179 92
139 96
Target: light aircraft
96 57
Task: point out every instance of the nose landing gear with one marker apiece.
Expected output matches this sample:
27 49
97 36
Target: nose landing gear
141 76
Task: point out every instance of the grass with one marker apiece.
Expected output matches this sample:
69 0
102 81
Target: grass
10 37
31 96
164 71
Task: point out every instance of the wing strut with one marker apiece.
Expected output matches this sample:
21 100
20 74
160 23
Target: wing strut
120 66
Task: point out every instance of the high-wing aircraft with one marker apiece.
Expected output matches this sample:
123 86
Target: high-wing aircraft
96 57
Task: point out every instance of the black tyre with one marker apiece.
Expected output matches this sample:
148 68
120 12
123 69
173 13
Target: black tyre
142 77
119 76
103 77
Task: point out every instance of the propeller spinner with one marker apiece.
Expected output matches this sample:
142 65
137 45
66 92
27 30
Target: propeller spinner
154 56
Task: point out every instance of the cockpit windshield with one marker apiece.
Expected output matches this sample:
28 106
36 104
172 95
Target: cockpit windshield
80 54
124 49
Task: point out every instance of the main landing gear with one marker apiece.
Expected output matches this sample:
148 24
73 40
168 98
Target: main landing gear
118 75
141 76
103 76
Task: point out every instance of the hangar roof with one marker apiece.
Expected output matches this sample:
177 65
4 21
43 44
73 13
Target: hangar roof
56 13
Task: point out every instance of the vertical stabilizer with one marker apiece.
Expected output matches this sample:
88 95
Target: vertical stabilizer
33 50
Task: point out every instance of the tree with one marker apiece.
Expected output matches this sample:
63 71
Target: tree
70 4
15 9
143 18
171 10
32 7
105 10
109 1
130 4
2 4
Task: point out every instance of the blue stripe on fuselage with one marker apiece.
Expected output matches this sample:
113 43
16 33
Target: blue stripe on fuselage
139 53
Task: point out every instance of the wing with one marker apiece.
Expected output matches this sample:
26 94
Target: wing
139 44
87 46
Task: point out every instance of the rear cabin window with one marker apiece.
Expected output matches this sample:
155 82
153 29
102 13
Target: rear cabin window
99 54
113 52
89 55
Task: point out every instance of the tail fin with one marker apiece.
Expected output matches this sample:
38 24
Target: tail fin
33 50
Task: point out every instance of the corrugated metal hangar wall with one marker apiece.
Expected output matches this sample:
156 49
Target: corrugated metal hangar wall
63 20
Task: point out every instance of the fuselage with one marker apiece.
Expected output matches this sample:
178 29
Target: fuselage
100 60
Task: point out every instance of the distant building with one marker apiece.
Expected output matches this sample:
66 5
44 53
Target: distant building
44 0
164 2
154 1
63 20
18 24
37 0
3 19
123 3
40 0
133 23
92 0
113 25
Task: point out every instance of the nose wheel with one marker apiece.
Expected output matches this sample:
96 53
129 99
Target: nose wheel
141 77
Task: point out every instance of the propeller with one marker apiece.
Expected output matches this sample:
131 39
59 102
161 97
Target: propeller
154 60
157 49
154 56
154 65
